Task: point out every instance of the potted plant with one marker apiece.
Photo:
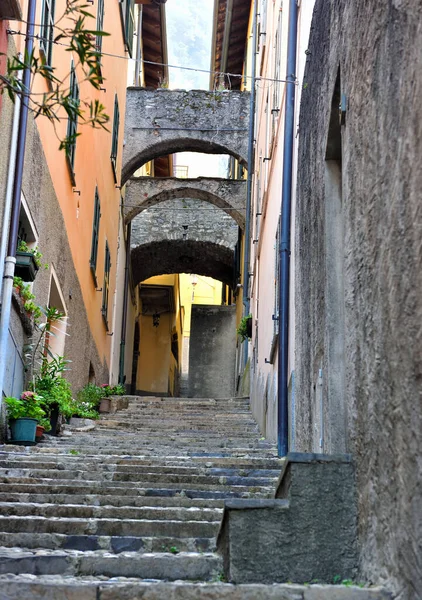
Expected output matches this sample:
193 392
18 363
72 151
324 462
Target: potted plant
106 391
245 328
24 414
28 261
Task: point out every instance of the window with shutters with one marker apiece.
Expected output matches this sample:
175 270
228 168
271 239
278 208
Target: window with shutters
127 12
72 124
47 30
115 137
95 235
106 285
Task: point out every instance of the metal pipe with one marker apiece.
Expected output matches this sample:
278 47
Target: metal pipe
138 48
9 187
284 274
124 316
251 141
17 191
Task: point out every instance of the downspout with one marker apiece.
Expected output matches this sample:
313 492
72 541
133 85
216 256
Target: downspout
124 316
10 261
9 187
251 141
284 274
138 48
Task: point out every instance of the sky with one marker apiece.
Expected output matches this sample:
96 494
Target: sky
189 33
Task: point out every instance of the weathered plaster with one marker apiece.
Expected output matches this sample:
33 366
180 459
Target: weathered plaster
377 46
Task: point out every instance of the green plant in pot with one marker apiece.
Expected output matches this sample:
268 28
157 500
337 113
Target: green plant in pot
245 328
28 261
24 414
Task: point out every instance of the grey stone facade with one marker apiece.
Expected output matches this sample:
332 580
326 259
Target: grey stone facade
144 192
160 122
359 269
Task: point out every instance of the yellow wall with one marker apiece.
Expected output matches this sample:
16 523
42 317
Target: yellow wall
206 291
158 370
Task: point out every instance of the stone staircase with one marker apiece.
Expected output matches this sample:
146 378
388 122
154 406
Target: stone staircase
132 509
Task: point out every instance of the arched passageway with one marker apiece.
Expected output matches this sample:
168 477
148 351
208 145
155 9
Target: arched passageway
145 192
183 256
161 122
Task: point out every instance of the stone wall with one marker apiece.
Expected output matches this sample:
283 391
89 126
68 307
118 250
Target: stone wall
212 356
144 192
184 220
160 122
365 223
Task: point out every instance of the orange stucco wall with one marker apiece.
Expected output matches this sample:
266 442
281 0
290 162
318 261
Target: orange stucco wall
92 167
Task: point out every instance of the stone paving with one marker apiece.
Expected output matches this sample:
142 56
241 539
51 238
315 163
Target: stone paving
132 509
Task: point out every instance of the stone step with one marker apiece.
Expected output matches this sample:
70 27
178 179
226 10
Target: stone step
128 452
107 500
135 477
8 458
166 566
61 487
113 544
45 587
175 469
86 511
110 527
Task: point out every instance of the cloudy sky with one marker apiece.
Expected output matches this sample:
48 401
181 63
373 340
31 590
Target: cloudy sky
189 31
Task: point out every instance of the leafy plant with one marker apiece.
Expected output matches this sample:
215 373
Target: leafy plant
27 406
242 330
109 390
73 32
24 291
23 247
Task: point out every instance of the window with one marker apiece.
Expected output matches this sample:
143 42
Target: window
127 11
47 29
95 233
106 284
100 24
115 136
72 124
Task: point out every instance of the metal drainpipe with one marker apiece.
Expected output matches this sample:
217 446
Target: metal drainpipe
138 48
9 187
284 275
251 140
124 317
10 261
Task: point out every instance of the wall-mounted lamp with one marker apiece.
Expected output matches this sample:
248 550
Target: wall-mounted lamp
155 319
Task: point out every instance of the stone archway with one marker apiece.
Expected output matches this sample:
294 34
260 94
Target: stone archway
145 192
161 122
182 256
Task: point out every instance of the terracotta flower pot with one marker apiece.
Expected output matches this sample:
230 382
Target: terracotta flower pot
105 405
39 433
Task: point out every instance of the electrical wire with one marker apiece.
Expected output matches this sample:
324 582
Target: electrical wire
159 64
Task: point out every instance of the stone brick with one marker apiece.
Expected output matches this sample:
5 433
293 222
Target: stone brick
144 192
160 122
